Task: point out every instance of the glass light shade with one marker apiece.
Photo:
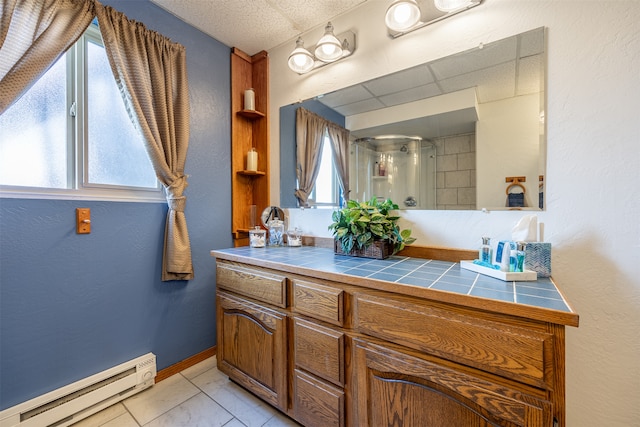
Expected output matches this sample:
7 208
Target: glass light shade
402 15
301 61
451 5
329 48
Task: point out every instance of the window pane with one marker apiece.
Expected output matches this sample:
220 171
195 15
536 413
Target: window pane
33 136
324 183
115 150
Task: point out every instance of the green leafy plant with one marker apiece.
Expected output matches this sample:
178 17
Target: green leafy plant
359 224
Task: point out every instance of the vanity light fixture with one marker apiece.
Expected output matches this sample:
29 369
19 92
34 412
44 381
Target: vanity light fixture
404 16
328 49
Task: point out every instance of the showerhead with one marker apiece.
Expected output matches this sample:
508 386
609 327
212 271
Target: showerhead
404 148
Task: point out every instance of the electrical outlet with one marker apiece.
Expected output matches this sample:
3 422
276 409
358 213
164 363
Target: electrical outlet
83 220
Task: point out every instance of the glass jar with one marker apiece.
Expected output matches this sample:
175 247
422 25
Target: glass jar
257 237
276 232
294 237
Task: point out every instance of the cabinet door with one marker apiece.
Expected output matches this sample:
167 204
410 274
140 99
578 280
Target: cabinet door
396 389
252 347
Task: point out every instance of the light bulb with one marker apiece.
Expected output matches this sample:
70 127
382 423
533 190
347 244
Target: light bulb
451 5
402 15
329 48
300 59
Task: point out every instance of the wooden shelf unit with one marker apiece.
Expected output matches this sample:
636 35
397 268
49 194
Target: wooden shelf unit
249 128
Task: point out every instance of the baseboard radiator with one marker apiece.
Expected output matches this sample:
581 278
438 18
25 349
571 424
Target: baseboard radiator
71 403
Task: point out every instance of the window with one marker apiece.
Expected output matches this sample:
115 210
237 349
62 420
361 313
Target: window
326 191
70 135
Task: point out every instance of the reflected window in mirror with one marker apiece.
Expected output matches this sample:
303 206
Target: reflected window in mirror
326 191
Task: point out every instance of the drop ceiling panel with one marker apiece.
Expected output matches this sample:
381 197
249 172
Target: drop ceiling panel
410 95
529 72
531 43
346 96
402 80
476 59
492 83
360 107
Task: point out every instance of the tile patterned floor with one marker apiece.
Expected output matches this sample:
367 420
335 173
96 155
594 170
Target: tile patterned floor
200 396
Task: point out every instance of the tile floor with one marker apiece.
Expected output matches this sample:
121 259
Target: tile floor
200 396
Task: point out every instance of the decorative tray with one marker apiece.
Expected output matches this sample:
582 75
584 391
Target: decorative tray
507 276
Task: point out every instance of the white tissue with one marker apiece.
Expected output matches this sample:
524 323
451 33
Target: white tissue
526 230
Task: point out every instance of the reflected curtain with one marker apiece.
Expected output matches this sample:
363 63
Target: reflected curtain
310 130
33 36
151 73
339 138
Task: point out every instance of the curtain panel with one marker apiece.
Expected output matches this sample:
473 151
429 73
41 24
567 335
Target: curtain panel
150 72
310 130
33 36
339 138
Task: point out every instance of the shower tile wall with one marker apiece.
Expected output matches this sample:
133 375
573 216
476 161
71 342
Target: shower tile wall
456 172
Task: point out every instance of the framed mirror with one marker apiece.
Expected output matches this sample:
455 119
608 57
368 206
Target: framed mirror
461 132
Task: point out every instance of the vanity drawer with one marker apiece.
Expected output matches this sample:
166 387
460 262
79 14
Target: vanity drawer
316 403
318 301
319 350
253 282
510 351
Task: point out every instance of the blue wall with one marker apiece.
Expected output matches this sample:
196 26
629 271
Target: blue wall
73 305
288 179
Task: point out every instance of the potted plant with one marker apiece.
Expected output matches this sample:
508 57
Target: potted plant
368 229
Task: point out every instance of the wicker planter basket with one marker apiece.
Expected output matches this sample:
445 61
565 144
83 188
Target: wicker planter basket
380 249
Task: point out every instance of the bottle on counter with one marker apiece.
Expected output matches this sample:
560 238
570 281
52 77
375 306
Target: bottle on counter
485 252
520 256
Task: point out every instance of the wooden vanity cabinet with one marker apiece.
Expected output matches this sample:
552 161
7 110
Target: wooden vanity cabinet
331 353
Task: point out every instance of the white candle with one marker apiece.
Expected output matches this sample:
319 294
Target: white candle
249 99
252 160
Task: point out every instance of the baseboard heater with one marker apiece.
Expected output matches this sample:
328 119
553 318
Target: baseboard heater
71 403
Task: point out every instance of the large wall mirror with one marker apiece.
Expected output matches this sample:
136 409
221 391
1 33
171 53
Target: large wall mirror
463 132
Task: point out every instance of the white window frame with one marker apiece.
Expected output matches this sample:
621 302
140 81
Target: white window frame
77 142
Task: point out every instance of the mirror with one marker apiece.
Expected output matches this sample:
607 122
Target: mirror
469 128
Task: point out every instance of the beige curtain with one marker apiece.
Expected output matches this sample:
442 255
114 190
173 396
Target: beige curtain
33 35
339 138
310 130
151 74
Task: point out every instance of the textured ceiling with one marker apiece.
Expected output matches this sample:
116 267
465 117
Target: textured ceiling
255 25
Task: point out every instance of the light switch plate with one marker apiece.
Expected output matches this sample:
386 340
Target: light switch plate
83 220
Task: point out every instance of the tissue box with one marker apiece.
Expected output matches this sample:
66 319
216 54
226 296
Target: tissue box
537 258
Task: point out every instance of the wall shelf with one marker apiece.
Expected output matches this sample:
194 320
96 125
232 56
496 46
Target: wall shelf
251 173
251 114
249 129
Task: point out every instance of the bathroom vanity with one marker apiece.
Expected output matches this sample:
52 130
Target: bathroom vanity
338 341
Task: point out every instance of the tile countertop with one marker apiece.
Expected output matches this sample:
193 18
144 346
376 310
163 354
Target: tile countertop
438 280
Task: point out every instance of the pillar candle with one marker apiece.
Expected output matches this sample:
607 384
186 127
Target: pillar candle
252 160
249 99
